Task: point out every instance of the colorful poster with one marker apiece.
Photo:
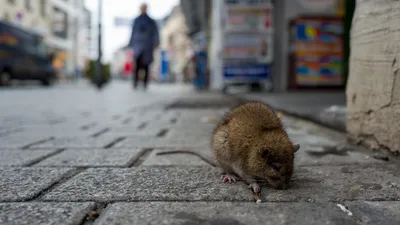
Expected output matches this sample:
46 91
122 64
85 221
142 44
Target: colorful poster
319 53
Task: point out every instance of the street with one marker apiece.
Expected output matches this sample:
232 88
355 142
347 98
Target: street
70 154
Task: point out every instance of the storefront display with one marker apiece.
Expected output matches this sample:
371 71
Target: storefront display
248 41
318 51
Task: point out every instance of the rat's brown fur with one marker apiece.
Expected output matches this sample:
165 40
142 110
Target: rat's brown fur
251 142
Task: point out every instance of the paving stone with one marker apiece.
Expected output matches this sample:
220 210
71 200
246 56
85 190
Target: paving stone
92 158
34 213
16 157
193 134
382 213
186 183
314 156
20 141
176 159
197 213
152 142
77 142
17 184
134 131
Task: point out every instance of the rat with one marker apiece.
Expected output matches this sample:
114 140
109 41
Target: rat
250 143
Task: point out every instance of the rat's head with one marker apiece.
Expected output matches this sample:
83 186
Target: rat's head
275 164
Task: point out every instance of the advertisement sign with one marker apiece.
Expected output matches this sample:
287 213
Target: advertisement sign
248 40
317 5
253 47
319 52
256 71
250 18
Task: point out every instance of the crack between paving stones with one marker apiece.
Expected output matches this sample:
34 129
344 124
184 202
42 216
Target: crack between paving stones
142 156
116 117
94 213
44 157
62 180
173 120
99 133
37 143
142 126
127 120
88 126
116 141
162 133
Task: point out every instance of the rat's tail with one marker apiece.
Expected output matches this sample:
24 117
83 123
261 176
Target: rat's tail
205 159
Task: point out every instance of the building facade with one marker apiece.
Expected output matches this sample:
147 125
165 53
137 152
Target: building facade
69 31
175 41
33 14
64 24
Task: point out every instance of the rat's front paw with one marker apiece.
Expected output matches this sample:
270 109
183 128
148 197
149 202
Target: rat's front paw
255 187
228 178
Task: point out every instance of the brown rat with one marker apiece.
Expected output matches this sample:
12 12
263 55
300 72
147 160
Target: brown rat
251 143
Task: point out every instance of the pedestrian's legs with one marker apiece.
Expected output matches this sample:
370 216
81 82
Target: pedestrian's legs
146 75
136 71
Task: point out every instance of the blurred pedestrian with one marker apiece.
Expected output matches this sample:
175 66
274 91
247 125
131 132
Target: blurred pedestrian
144 40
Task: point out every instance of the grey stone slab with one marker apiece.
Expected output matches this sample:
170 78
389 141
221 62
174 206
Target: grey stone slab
92 158
153 142
176 159
77 142
35 213
158 213
188 183
382 213
21 141
16 157
17 184
134 131
314 156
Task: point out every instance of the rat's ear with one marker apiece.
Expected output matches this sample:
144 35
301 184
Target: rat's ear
296 148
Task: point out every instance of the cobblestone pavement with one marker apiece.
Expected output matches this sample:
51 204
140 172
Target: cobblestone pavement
72 155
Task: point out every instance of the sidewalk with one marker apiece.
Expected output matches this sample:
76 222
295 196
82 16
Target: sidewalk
98 165
326 108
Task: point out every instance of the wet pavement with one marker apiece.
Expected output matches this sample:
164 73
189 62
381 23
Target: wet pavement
72 155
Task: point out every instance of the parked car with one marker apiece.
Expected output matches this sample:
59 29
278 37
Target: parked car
24 56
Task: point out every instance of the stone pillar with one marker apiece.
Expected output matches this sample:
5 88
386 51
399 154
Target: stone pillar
373 89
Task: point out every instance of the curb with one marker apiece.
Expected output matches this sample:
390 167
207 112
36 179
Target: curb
333 117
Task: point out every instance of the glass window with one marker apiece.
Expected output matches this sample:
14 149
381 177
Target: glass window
41 49
43 8
28 4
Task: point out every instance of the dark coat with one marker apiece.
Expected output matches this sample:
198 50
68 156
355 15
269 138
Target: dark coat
144 38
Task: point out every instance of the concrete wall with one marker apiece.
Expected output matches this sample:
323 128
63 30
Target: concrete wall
373 90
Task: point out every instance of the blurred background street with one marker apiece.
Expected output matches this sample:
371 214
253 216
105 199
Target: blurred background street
78 137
